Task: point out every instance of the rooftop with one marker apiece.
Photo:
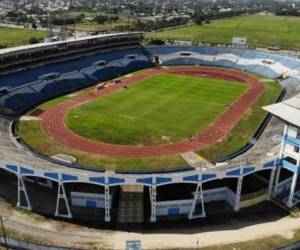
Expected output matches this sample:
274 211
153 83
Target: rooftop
288 110
45 44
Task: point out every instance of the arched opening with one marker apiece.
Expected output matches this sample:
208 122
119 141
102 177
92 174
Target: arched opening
172 200
282 189
220 195
287 189
255 188
87 201
8 187
42 193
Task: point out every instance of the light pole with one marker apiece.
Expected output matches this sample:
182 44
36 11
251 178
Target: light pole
3 230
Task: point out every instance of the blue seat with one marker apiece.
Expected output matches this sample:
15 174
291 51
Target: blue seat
27 87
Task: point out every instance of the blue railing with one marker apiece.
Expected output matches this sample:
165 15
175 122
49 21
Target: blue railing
292 140
290 166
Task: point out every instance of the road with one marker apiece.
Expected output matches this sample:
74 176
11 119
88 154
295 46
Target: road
29 226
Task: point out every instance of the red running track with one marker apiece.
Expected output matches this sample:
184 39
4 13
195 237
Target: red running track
54 126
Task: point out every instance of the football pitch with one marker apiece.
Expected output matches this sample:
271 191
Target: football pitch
161 109
260 30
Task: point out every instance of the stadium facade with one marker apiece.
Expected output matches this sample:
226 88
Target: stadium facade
34 74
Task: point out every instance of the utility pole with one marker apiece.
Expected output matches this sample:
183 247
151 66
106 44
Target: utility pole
50 28
197 244
4 233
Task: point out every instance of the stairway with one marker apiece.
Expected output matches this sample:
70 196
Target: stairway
146 53
131 204
195 161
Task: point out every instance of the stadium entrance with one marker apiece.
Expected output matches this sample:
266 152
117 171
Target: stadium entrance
131 204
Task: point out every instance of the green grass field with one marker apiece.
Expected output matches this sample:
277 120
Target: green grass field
261 30
95 26
162 108
245 128
32 133
10 37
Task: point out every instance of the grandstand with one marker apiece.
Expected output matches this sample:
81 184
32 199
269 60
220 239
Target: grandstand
26 88
41 52
76 192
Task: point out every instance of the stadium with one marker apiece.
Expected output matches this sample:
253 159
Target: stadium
113 131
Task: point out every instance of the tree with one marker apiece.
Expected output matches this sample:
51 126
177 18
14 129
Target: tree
199 19
113 18
33 40
100 19
157 42
34 26
80 17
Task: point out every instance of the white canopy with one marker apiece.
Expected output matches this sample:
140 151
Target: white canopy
288 110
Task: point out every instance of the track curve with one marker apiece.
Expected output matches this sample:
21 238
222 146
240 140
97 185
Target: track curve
54 126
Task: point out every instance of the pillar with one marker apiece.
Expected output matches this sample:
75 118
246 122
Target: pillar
277 177
107 203
22 190
153 194
62 196
238 194
271 182
198 195
292 190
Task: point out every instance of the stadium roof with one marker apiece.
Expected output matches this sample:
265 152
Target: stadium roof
45 44
288 110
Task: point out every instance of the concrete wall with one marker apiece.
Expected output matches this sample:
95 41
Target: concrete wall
180 207
92 200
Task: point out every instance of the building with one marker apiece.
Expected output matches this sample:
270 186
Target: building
289 112
239 42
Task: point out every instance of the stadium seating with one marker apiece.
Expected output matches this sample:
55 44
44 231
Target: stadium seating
227 57
20 99
184 55
293 79
289 62
30 86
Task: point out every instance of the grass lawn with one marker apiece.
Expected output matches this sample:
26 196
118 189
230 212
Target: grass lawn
163 108
92 25
32 133
245 128
61 99
10 37
260 30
